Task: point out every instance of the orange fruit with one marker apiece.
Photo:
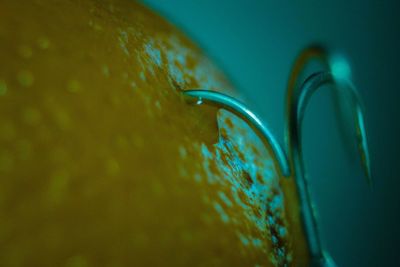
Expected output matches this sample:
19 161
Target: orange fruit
102 163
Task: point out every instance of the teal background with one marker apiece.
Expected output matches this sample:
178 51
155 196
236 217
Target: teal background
255 43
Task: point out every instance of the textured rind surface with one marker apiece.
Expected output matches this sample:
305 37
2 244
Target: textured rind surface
102 163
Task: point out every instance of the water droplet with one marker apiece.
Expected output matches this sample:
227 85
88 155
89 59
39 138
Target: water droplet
142 76
197 177
123 41
25 78
43 43
74 86
245 241
257 242
222 213
225 199
105 70
158 105
182 152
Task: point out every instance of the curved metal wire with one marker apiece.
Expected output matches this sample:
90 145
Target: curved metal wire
297 92
292 165
241 110
298 97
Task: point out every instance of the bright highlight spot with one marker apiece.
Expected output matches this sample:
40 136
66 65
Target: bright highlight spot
340 68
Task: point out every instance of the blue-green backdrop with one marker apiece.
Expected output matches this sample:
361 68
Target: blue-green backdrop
255 43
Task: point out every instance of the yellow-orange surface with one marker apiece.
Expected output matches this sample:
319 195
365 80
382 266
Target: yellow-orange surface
102 163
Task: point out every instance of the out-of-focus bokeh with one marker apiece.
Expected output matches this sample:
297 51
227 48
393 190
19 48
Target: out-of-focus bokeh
255 43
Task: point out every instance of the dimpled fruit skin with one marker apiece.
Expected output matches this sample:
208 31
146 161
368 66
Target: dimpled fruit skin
102 163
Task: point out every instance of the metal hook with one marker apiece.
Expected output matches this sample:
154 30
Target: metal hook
242 111
297 99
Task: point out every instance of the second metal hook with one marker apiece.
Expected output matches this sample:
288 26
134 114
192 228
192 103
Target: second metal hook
290 163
